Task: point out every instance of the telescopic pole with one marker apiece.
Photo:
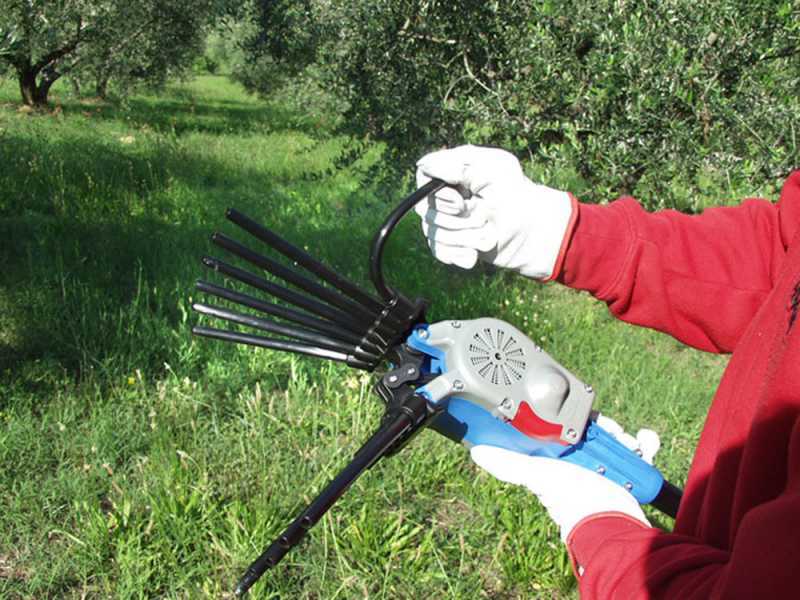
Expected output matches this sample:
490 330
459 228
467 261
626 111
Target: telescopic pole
396 426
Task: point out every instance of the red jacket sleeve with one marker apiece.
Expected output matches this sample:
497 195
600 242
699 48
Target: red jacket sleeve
700 278
624 559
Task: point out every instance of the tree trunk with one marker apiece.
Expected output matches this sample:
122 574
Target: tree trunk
27 86
101 87
49 77
36 93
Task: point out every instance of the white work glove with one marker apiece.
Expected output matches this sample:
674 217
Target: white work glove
569 492
497 214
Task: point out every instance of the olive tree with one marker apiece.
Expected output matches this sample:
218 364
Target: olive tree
143 40
645 97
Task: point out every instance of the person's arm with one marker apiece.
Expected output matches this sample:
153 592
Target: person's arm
616 554
622 558
699 278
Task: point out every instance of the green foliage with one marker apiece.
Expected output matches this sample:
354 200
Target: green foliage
223 52
148 43
660 99
278 40
138 462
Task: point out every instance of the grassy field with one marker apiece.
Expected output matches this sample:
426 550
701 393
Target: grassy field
137 462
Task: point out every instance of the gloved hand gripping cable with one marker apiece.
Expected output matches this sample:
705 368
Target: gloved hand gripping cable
478 382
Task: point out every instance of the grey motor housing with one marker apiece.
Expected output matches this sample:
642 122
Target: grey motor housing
493 364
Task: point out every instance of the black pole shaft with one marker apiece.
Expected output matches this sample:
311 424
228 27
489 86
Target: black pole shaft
283 345
277 310
303 259
379 241
668 499
373 449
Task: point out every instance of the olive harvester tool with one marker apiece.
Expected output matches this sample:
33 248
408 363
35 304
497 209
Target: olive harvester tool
479 381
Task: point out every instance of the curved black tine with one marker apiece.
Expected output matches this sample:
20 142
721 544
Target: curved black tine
304 259
276 310
304 302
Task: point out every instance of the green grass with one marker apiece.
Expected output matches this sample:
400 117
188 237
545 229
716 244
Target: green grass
137 462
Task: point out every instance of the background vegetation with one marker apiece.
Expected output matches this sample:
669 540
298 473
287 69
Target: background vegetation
110 42
137 462
665 100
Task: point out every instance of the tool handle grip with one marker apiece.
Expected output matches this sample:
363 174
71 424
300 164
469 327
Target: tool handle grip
379 241
601 452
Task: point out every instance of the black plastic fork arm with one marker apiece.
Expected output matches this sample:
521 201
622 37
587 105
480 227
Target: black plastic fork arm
397 426
304 259
291 276
290 331
283 345
305 302
282 312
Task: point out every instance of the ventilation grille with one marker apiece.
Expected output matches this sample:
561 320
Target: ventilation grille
497 357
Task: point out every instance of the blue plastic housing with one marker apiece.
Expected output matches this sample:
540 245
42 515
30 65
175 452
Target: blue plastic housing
599 451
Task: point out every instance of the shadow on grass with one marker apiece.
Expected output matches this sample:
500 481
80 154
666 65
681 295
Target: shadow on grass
190 114
77 176
78 294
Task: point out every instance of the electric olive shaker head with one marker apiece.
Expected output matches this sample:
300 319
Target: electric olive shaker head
494 365
476 381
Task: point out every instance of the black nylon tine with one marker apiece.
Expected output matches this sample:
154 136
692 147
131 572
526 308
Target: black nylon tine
304 259
276 310
303 335
293 277
296 347
304 302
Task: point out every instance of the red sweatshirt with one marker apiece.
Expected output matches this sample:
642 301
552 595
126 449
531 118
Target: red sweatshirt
727 280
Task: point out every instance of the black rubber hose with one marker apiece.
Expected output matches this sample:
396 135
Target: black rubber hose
379 241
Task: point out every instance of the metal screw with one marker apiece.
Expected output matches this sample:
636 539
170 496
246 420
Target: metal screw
455 324
628 486
638 451
538 348
410 371
601 469
588 388
423 333
392 378
571 433
458 385
506 403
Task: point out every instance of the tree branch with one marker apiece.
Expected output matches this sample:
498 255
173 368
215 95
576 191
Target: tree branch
55 55
119 46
